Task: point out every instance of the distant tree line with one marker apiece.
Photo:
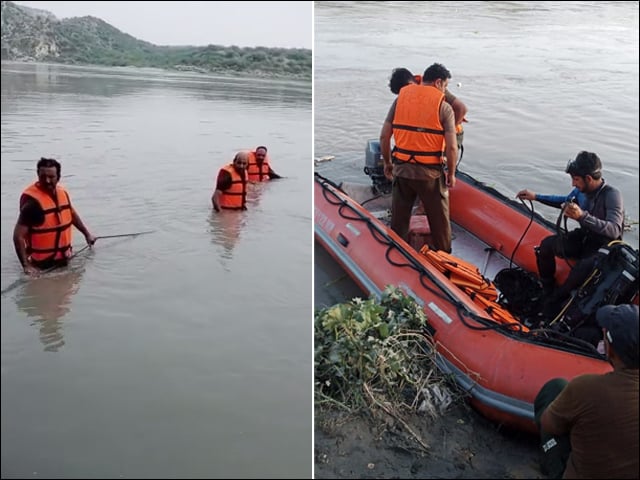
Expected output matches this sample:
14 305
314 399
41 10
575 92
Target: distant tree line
29 34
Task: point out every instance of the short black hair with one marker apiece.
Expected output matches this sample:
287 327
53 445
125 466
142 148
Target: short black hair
399 78
435 72
48 163
586 163
263 147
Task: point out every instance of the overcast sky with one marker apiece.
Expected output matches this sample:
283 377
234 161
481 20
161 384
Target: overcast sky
245 24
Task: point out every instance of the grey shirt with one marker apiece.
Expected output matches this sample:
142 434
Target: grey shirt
604 215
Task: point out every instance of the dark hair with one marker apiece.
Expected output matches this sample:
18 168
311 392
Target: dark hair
435 72
586 163
261 146
399 78
48 163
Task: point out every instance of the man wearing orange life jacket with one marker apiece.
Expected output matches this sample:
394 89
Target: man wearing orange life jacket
42 235
258 169
231 185
402 76
423 127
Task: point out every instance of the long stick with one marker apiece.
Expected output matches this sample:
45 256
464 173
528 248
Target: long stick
125 235
60 265
22 280
15 284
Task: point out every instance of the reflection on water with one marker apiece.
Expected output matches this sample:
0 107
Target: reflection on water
226 227
106 83
47 300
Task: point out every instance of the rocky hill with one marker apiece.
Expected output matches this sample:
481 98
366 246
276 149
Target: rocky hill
30 34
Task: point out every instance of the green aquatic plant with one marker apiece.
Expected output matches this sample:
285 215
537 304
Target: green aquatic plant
375 352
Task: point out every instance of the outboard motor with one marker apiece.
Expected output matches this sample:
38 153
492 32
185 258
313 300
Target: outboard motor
374 168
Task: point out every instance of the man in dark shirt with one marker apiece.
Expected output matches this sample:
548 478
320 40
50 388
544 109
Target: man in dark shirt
599 413
599 210
32 215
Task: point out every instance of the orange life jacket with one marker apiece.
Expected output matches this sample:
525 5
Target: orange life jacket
52 239
496 311
257 172
234 197
463 274
417 130
468 278
459 129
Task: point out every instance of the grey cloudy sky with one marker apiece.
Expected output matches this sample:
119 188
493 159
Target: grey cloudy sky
245 24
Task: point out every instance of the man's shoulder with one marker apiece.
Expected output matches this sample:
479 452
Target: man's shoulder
28 201
589 382
611 190
446 107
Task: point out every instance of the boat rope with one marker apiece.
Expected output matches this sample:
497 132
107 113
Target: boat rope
542 336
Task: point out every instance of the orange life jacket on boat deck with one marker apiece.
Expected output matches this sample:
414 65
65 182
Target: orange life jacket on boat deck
468 278
258 172
461 273
234 197
495 310
417 131
52 239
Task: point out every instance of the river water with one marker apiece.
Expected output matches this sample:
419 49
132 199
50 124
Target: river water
182 353
542 81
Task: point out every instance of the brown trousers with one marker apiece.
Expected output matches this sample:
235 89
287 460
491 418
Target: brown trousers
434 196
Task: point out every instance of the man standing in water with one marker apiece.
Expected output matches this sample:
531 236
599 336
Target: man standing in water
231 185
259 169
42 235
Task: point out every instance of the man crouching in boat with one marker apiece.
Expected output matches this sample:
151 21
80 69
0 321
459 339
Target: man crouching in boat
231 185
589 426
422 124
42 235
596 206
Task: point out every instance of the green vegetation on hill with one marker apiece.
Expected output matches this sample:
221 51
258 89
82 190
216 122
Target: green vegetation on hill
37 35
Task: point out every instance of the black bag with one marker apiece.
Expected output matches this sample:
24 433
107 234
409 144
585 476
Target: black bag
613 281
520 292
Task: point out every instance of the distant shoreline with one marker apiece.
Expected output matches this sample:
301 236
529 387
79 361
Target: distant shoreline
178 68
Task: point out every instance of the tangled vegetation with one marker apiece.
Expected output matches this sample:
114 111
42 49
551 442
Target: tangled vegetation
376 353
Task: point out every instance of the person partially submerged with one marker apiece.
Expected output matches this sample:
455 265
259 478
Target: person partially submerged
231 184
259 169
43 233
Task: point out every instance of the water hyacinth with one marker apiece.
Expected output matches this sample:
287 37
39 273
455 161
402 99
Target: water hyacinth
369 351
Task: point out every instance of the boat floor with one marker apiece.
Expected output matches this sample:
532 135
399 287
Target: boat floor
464 245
